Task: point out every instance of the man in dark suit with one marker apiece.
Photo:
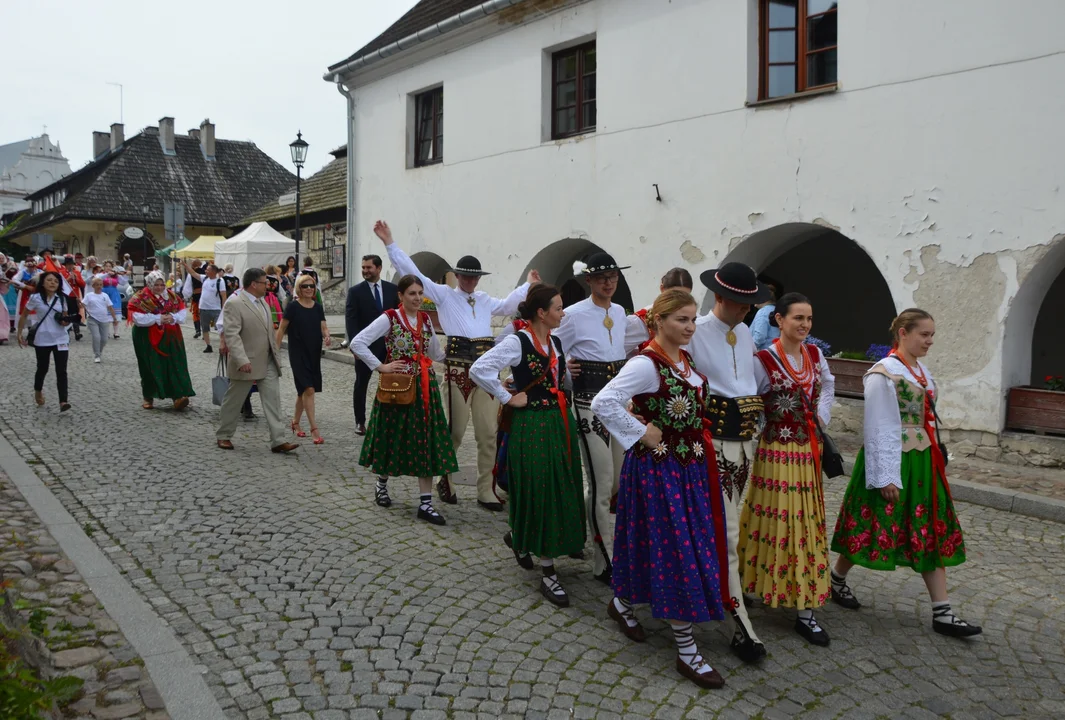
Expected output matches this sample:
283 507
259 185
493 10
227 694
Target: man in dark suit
366 302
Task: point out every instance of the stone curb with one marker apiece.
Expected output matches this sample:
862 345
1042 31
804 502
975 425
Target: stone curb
172 670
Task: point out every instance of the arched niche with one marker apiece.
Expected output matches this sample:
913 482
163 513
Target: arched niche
555 263
138 249
1033 346
432 266
852 302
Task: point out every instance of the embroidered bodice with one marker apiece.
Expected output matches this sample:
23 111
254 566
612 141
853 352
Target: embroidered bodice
531 367
400 343
677 408
911 401
786 402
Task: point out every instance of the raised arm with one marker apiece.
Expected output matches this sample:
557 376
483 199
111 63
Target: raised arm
509 305
485 371
360 344
402 262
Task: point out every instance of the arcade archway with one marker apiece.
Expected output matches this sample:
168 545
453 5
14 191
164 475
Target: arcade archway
1033 346
139 249
432 266
555 263
853 306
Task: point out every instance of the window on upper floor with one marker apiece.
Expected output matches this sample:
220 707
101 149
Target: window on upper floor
797 46
573 91
429 127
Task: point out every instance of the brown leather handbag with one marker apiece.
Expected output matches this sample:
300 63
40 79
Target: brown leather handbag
396 389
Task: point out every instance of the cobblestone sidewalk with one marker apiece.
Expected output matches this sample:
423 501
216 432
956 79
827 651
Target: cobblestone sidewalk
303 600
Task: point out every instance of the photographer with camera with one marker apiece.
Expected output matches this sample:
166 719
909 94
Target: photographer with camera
48 334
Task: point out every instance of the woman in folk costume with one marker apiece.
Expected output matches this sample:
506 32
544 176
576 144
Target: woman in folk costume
543 461
156 315
783 547
670 544
897 511
408 438
272 298
636 325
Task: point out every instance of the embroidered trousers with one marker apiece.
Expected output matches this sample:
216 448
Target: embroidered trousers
602 457
735 460
484 410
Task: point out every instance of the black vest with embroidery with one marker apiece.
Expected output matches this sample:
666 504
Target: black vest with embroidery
531 367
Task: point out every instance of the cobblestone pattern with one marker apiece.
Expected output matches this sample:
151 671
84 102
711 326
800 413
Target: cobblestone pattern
82 640
301 599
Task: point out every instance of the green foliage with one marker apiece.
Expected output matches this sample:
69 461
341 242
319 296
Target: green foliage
851 355
24 696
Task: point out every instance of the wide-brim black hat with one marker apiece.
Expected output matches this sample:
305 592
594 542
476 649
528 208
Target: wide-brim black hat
737 282
468 265
596 264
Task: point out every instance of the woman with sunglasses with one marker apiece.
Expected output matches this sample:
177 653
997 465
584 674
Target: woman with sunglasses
304 322
409 438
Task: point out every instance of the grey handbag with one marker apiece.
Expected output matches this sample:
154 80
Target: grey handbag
220 382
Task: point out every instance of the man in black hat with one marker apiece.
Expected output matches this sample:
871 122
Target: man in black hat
466 317
723 351
593 335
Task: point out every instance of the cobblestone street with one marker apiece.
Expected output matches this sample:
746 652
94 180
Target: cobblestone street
301 599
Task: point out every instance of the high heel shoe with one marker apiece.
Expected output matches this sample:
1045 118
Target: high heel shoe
318 440
296 429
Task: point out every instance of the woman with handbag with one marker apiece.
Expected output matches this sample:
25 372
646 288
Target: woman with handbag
897 510
304 322
407 433
783 548
48 334
543 459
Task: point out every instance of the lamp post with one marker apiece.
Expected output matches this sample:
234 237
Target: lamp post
298 148
146 211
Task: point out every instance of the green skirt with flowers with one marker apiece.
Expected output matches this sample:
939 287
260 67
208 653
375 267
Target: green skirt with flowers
913 532
164 370
400 440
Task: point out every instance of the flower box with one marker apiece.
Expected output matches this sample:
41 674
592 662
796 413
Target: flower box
849 374
1036 410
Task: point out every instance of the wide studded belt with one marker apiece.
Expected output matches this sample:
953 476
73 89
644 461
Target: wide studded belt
465 351
734 418
594 376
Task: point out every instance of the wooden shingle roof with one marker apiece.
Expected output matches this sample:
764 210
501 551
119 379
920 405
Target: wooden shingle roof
327 189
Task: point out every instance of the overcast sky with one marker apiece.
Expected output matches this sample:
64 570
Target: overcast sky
254 67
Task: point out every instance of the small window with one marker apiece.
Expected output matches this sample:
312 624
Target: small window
798 46
573 91
429 127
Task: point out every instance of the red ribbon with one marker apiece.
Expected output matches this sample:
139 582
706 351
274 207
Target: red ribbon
718 500
939 464
424 363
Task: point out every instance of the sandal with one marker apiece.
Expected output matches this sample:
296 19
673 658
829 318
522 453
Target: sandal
380 496
551 589
296 429
148 405
318 439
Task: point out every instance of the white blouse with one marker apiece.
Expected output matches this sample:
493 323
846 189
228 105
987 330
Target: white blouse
883 424
360 345
506 353
828 384
585 337
611 404
41 314
149 319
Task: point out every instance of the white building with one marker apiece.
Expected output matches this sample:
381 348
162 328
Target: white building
884 155
27 166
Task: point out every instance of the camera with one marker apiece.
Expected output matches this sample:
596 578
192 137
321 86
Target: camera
64 318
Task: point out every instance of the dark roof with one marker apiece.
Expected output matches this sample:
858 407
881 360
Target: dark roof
217 192
423 15
327 189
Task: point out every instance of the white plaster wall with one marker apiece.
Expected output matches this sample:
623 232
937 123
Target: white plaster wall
940 156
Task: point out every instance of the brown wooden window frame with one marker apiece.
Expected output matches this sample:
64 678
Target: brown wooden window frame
802 52
581 129
435 98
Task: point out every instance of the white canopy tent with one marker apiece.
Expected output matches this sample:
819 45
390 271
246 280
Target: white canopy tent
258 245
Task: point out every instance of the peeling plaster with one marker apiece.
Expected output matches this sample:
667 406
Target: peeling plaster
826 224
691 253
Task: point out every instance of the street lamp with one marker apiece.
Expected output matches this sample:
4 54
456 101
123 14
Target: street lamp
146 211
298 148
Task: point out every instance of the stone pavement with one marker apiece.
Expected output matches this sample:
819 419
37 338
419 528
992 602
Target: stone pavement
301 599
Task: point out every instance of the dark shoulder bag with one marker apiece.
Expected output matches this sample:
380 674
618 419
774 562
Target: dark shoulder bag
31 334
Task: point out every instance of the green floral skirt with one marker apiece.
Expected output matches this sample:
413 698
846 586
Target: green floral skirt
546 484
879 535
164 371
401 441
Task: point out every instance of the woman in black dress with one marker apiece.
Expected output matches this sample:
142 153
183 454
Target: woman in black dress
304 321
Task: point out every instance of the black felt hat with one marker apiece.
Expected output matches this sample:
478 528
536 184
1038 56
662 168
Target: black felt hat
737 282
596 264
468 265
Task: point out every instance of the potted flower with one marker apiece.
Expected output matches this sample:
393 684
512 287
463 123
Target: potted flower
1038 410
429 308
850 366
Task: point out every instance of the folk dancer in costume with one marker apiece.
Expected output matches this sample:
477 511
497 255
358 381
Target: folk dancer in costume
897 511
670 548
595 339
723 350
637 324
466 316
156 315
543 458
783 539
411 438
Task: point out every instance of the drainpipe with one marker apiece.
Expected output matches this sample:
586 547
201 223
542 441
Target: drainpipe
434 31
353 256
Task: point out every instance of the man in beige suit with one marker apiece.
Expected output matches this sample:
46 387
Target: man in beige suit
251 344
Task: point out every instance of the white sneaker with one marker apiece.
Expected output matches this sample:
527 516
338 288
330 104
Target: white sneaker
96 360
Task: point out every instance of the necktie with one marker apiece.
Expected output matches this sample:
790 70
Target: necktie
377 297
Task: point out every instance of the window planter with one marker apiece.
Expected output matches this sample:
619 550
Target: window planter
1036 410
849 374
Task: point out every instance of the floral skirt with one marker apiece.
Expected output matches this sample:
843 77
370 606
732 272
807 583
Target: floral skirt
400 440
546 484
164 370
665 550
783 547
879 535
